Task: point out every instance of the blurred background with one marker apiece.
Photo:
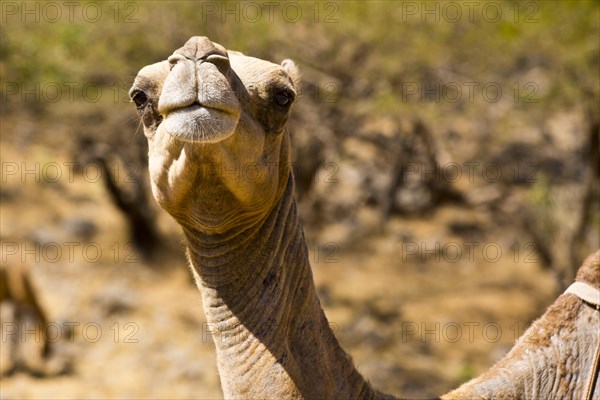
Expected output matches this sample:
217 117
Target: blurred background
447 162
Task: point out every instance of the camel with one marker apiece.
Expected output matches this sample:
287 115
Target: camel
24 326
219 163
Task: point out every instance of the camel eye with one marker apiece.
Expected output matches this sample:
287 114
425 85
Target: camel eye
283 98
140 99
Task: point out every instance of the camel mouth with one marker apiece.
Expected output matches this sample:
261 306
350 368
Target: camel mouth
200 123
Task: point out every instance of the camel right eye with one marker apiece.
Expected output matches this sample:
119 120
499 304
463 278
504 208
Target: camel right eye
284 97
140 99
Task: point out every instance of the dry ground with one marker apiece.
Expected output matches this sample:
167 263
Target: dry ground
414 328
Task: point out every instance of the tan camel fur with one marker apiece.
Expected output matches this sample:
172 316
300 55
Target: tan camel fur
219 161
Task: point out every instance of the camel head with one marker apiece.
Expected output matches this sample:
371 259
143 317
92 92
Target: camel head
215 123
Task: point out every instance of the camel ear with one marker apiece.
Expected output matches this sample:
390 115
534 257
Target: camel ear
292 70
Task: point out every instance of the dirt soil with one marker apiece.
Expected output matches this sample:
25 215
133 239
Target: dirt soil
414 327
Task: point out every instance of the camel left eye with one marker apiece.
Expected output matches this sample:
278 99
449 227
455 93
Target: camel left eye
283 98
140 99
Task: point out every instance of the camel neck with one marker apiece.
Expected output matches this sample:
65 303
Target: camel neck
271 335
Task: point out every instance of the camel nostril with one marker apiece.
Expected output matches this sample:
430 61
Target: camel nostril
174 59
221 62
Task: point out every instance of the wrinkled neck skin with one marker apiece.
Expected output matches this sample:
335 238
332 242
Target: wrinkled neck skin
552 360
249 258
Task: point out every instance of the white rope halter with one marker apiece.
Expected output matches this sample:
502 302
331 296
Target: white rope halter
585 292
590 295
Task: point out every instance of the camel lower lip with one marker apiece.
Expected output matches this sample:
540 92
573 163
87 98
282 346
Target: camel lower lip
194 108
197 123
